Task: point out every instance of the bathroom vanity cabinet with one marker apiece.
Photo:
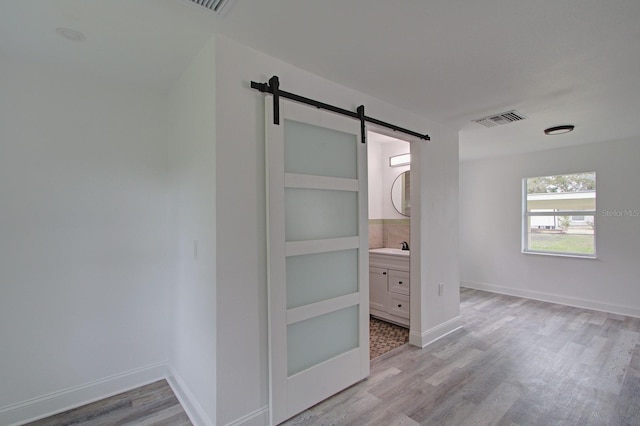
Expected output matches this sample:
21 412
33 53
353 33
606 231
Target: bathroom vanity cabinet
389 285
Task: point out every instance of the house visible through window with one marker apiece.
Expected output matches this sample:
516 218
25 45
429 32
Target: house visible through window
559 214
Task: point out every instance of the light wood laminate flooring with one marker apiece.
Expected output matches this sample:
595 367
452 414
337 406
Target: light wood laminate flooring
515 362
153 404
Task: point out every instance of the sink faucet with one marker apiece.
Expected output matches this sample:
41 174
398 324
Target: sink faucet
405 245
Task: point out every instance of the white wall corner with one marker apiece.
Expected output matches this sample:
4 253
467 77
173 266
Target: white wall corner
555 298
76 396
428 337
260 417
190 404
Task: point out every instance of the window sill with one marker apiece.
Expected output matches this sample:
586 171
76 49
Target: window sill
572 255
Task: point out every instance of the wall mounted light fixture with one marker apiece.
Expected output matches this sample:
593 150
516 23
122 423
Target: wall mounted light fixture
400 160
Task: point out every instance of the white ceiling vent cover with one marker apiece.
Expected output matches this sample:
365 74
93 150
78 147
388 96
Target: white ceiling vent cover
499 119
218 6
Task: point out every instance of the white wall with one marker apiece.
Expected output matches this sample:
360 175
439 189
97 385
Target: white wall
242 377
434 222
490 229
84 260
241 236
389 175
374 170
381 175
193 179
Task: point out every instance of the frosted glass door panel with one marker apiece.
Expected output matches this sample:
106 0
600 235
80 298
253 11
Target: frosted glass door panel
315 214
318 339
318 258
318 151
313 278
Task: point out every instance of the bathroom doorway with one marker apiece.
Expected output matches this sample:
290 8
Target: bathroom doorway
389 178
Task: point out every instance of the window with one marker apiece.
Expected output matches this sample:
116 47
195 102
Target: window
559 215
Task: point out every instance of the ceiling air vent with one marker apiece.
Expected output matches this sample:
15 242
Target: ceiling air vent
499 119
218 6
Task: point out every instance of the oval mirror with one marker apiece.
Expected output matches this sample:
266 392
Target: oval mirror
400 194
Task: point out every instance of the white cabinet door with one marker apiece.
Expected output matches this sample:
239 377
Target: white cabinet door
378 288
317 257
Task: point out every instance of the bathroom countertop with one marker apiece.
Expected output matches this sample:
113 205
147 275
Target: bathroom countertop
390 251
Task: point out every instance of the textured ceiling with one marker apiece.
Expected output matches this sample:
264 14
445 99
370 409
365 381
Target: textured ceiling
570 61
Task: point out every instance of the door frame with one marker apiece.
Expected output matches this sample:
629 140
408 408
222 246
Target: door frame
415 266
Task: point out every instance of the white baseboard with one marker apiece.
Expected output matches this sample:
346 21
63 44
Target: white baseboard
555 298
197 414
189 403
259 417
436 333
73 397
76 396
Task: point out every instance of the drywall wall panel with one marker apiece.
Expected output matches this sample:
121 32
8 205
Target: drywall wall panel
192 156
490 228
85 264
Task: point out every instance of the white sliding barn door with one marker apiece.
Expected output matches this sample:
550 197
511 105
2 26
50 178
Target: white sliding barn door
317 256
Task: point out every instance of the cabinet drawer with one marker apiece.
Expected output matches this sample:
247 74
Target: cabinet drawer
398 305
399 282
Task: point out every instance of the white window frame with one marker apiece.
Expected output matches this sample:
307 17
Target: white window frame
526 215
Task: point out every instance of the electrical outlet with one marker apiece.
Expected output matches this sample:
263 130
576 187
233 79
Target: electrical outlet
440 289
